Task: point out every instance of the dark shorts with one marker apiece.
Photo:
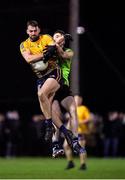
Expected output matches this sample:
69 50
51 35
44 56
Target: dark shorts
55 74
63 92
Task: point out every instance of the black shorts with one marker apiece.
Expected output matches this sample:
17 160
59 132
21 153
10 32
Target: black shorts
56 74
63 92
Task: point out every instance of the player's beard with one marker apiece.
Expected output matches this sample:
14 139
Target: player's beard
34 38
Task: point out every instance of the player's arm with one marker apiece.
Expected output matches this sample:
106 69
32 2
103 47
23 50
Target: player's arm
31 57
85 121
28 56
67 54
45 56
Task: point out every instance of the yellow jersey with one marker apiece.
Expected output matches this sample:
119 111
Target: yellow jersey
38 47
83 114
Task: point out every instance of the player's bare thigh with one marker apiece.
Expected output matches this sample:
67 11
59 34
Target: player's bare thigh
49 87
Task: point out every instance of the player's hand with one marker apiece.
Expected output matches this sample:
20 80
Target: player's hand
68 37
49 52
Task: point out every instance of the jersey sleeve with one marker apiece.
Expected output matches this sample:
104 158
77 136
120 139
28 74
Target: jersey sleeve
22 47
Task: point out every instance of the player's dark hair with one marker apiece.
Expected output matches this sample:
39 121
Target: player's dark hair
59 31
33 23
67 36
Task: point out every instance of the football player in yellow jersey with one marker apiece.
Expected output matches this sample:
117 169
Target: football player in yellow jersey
83 114
40 52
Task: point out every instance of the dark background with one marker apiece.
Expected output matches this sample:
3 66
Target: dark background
102 82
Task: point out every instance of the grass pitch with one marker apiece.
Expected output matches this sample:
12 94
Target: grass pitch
48 168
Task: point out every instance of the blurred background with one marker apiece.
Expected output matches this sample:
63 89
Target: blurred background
101 75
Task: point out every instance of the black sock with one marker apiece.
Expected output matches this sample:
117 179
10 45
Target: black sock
63 129
55 144
75 139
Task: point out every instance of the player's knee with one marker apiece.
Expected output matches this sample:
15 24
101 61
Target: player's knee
72 109
42 95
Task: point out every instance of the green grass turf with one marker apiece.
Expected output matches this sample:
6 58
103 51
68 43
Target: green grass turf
48 168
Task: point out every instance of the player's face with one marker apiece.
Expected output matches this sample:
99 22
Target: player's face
59 39
33 32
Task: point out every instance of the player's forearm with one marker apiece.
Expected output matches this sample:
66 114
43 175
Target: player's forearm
64 54
33 58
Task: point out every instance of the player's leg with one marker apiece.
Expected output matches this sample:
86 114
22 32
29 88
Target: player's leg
48 89
45 93
68 152
83 156
57 149
69 104
57 120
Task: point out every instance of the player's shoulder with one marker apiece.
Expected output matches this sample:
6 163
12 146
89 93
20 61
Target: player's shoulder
46 36
23 43
68 50
83 107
